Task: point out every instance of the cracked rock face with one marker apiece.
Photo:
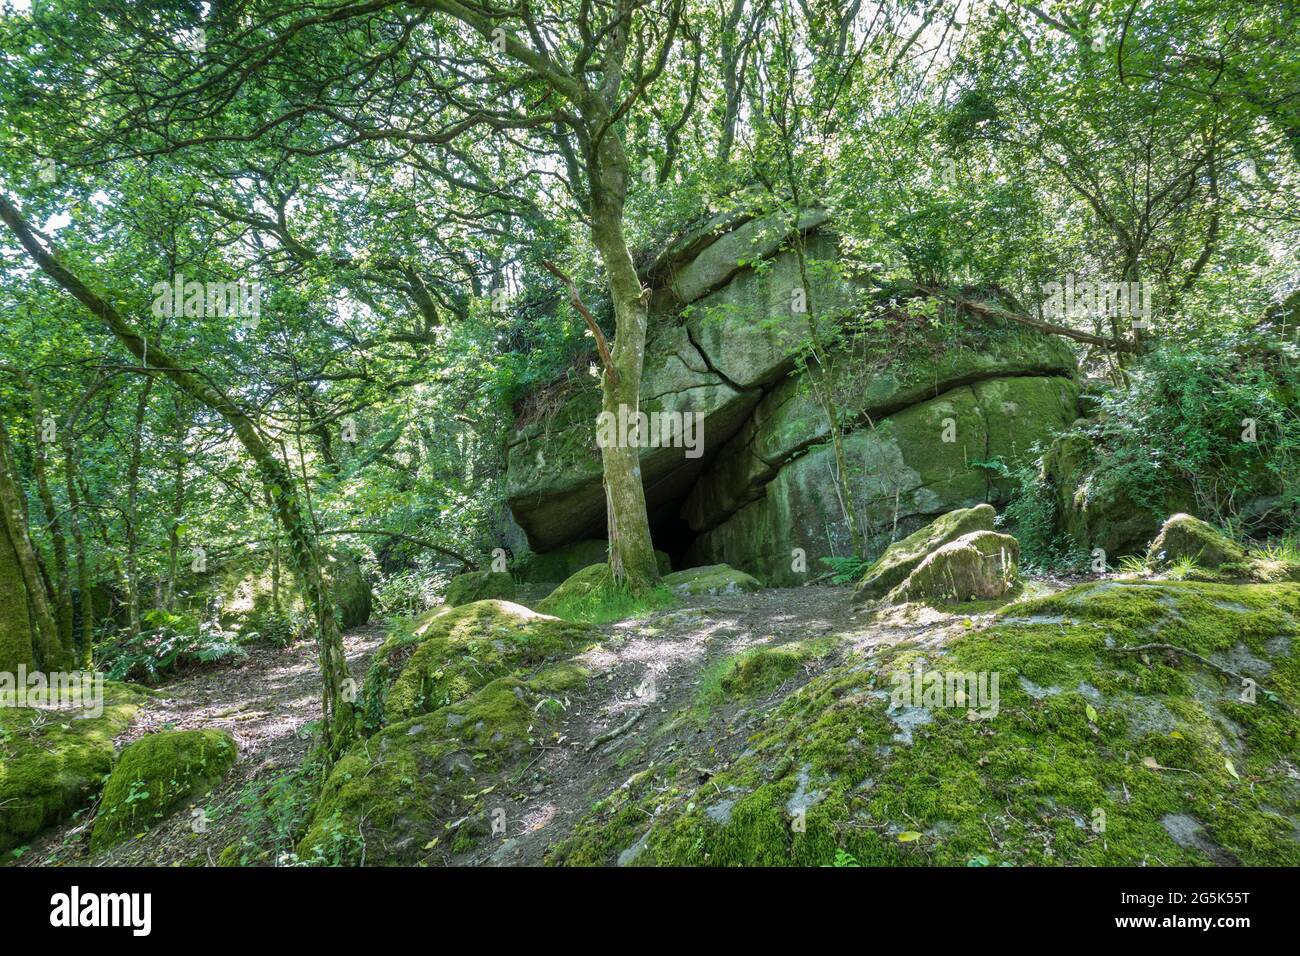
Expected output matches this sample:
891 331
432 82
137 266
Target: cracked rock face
920 418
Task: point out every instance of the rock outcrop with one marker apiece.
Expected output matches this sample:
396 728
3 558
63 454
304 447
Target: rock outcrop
1119 755
927 404
902 557
979 566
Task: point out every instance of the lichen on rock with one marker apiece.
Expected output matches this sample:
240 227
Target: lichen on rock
978 566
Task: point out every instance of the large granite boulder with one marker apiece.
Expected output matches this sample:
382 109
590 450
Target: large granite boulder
977 566
929 406
902 557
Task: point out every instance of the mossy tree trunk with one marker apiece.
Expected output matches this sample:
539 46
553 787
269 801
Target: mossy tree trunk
631 550
29 633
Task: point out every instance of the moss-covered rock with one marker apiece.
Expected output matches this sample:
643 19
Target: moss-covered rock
1097 509
155 775
578 587
1183 537
448 654
480 586
978 566
907 467
247 593
711 579
1101 750
53 762
563 562
761 670
425 789
902 557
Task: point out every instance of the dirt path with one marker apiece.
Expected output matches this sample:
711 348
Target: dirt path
647 677
265 701
639 712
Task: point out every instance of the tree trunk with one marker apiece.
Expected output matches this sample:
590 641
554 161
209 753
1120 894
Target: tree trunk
29 633
631 551
86 644
133 510
62 584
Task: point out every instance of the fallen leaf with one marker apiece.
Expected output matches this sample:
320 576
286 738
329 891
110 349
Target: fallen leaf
909 836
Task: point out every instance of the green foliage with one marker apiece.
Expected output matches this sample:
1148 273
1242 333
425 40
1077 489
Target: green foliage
846 570
1031 516
1183 423
277 626
171 643
272 813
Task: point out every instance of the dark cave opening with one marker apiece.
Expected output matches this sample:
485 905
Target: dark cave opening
672 535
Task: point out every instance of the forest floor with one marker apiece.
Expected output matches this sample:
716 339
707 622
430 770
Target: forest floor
268 702
651 676
645 706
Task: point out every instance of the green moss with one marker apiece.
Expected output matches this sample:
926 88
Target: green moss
592 596
427 786
53 762
563 562
902 557
155 775
1183 537
980 565
480 586
711 579
757 671
1094 754
448 654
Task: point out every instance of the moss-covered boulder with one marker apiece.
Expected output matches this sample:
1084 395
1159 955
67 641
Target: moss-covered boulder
563 562
448 654
902 557
978 566
1183 537
480 586
1131 724
711 579
578 587
1095 506
157 774
53 762
425 790
248 594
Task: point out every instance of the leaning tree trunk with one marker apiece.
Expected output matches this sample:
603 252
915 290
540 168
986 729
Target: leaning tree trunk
631 550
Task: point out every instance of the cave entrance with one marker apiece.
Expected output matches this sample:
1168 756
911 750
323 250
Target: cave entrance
672 535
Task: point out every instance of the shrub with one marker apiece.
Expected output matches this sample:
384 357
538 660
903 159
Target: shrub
171 642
